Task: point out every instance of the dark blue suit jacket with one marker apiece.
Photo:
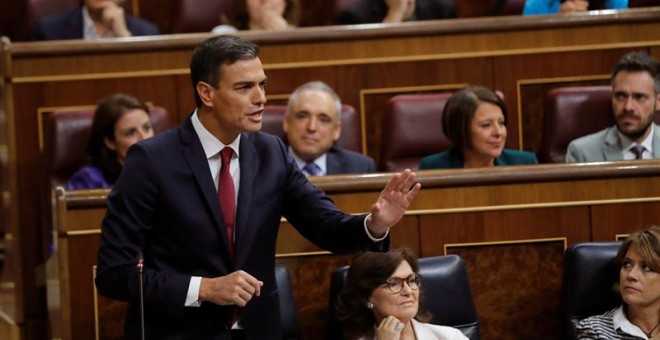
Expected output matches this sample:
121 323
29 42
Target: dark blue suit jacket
70 26
374 11
342 161
165 204
453 159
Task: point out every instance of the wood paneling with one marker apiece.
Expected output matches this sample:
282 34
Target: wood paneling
501 53
526 283
510 224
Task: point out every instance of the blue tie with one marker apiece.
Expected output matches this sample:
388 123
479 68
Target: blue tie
312 169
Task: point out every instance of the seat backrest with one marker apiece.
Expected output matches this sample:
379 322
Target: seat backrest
200 15
589 273
570 113
288 309
351 126
412 129
643 3
512 7
446 295
67 135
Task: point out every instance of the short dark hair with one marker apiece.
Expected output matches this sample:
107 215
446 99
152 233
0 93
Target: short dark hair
459 111
639 62
367 272
108 111
208 57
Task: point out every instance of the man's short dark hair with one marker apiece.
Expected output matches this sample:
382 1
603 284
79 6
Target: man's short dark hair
207 58
639 62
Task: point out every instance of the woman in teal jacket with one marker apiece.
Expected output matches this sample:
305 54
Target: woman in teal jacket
533 7
474 119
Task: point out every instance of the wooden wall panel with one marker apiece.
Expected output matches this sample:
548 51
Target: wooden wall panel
514 73
526 287
494 52
611 220
439 230
510 225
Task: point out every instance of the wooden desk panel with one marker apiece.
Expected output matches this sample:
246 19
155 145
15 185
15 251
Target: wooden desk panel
505 222
364 64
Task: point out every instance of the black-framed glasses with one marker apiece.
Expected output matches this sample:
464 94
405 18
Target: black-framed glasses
395 284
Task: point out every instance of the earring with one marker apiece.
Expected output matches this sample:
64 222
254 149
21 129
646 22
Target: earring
370 305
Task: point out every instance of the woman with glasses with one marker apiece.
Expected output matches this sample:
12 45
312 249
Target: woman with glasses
381 300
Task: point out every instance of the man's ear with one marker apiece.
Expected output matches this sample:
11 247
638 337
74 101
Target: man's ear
206 93
285 123
337 131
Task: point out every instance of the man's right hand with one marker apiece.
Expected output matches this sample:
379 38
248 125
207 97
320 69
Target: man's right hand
115 19
574 6
399 10
236 288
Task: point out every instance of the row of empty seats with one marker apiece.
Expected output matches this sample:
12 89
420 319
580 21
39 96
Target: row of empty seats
412 125
589 272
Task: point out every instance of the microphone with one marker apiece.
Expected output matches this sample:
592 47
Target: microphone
140 268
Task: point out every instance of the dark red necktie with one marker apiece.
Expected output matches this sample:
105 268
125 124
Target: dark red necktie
226 196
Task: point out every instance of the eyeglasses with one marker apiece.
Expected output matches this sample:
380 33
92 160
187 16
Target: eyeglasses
396 283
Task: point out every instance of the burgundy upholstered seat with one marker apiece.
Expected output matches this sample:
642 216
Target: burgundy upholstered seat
412 130
66 137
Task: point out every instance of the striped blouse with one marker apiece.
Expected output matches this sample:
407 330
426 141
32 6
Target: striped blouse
611 325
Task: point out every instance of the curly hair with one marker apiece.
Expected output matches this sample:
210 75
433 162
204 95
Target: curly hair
367 272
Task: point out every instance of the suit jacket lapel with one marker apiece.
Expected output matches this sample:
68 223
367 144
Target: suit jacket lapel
194 155
334 164
656 141
612 147
249 164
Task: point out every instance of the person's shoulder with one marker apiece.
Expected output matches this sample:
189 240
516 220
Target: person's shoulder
436 161
436 9
363 12
426 330
348 161
593 139
540 7
87 177
141 27
345 153
595 324
518 157
58 26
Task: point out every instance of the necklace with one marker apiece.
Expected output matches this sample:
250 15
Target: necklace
648 335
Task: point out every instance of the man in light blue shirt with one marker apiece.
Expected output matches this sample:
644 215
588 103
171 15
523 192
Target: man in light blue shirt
533 7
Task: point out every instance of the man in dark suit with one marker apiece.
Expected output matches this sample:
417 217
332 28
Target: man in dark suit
393 11
209 254
94 20
312 125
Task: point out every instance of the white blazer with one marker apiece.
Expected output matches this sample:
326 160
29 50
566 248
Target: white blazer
427 331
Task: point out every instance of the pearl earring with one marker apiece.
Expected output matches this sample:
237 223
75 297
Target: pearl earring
370 305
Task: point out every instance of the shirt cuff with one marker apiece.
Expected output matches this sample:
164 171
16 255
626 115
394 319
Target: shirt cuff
369 233
192 299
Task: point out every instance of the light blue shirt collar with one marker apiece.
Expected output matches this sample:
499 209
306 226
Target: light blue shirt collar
321 162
